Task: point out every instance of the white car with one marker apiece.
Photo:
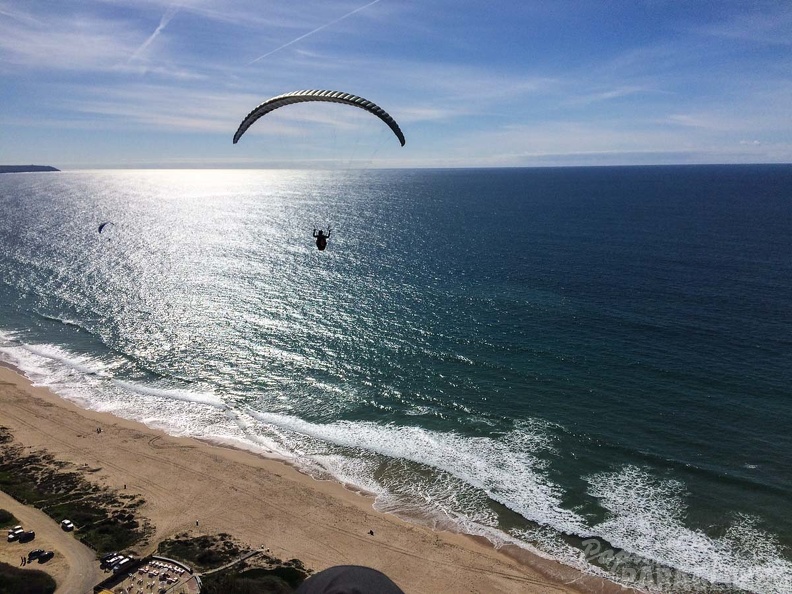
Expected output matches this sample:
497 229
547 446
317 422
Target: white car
14 533
67 525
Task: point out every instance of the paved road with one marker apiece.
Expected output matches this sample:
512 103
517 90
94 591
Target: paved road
82 571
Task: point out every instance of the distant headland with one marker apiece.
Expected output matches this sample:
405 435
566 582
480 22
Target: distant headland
25 168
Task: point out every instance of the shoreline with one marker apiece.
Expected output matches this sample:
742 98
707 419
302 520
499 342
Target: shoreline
194 486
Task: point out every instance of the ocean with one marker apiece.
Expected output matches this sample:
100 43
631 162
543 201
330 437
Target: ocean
594 364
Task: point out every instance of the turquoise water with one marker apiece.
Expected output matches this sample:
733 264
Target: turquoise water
593 362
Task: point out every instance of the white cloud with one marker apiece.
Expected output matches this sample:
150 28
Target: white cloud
76 43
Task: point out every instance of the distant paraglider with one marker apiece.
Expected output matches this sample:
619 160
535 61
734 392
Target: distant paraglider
317 95
105 224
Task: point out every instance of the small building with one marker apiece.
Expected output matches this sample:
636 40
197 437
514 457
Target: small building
154 574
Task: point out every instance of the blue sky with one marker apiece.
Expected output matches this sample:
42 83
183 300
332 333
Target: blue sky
105 83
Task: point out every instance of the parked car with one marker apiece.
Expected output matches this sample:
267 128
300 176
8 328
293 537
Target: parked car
13 533
35 554
120 565
46 556
107 563
27 536
67 525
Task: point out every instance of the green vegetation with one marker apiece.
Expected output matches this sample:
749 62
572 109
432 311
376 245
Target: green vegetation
203 552
276 578
105 520
260 574
7 519
24 581
292 572
236 583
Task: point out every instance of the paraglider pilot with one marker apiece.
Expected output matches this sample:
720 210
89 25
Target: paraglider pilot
321 238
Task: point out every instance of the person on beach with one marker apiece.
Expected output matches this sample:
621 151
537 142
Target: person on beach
321 238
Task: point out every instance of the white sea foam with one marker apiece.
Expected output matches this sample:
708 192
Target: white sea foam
64 321
70 374
550 544
506 467
252 437
448 501
646 517
356 472
90 383
189 396
79 363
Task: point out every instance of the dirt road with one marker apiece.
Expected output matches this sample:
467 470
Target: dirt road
74 567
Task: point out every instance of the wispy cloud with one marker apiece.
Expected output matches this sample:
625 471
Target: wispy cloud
164 21
582 142
594 96
74 43
160 107
771 26
18 15
314 31
90 43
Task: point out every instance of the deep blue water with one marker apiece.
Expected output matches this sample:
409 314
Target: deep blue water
579 360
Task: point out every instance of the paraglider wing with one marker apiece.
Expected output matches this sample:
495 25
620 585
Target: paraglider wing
316 95
105 224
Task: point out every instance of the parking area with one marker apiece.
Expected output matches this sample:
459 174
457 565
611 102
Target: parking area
73 565
32 551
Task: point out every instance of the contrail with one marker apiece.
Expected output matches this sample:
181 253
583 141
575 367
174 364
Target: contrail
166 18
293 41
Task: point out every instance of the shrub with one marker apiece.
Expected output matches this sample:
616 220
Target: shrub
7 519
24 581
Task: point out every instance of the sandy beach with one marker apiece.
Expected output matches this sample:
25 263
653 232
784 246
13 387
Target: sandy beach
200 488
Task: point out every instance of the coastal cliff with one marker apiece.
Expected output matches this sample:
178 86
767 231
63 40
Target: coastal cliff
25 168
